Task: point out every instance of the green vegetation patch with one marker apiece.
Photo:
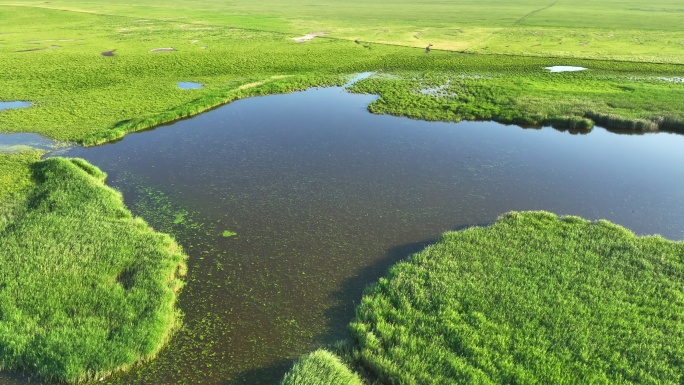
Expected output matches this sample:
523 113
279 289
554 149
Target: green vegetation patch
613 95
85 288
532 299
15 173
96 87
320 368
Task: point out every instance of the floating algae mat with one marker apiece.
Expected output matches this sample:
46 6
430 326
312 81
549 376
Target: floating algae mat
324 197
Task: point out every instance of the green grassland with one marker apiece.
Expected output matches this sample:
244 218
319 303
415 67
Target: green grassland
609 28
530 299
85 288
53 58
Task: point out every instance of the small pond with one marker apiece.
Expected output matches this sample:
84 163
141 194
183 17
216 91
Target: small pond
14 104
564 69
323 197
189 85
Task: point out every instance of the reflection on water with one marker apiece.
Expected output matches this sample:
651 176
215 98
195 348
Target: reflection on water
324 197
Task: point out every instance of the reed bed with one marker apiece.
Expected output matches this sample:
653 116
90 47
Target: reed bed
85 288
533 298
320 368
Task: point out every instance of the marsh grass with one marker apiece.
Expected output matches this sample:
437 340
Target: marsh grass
320 368
525 96
533 298
85 288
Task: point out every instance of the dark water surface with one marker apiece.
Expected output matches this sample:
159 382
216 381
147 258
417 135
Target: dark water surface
324 197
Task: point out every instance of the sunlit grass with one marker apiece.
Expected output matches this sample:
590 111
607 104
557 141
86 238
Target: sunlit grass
320 368
530 299
529 95
85 288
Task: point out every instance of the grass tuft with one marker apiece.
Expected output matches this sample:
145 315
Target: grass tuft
320 368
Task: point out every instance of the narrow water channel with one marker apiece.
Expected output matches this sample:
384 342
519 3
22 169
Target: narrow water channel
323 197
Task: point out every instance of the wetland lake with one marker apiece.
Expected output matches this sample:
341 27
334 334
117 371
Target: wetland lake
323 197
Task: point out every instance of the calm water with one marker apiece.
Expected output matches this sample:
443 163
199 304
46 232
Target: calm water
24 141
324 197
16 104
189 85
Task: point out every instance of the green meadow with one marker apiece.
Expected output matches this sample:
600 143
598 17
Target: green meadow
52 57
638 30
85 288
531 299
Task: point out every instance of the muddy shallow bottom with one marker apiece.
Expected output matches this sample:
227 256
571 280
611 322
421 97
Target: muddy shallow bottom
323 197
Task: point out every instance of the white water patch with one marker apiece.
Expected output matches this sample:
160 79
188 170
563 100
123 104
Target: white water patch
565 69
672 80
307 37
166 49
438 91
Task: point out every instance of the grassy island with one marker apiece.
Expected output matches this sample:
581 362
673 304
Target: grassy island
85 288
533 299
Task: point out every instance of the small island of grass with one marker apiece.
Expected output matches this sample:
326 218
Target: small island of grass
85 288
533 298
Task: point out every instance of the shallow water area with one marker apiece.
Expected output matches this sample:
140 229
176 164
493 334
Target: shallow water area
14 104
672 79
26 141
565 69
320 198
190 85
